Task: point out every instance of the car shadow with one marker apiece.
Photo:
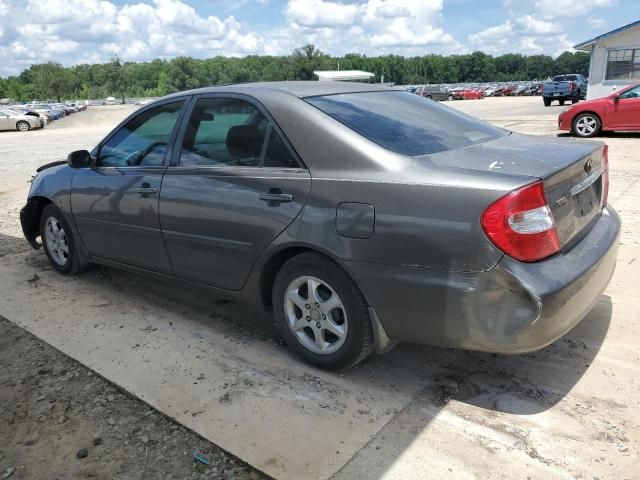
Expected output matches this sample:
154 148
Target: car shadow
603 135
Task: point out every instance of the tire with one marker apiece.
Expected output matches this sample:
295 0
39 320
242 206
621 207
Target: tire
576 99
547 101
450 97
586 125
317 320
23 126
60 247
561 102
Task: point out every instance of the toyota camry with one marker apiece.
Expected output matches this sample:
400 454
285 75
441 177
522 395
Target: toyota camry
359 215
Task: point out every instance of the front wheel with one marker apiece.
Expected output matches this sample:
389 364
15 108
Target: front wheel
58 242
587 125
23 126
321 313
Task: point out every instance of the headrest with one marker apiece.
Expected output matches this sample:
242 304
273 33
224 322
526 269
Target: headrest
244 141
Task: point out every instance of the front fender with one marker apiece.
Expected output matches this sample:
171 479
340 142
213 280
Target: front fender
52 185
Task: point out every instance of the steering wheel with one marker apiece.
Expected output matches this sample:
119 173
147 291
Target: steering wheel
136 158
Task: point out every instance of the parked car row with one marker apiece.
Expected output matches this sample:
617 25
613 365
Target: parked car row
473 91
25 117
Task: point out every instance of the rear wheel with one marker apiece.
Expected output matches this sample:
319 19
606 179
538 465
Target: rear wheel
577 98
547 101
23 126
321 312
587 125
561 102
58 242
450 97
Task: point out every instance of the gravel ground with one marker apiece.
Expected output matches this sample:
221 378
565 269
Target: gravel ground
54 411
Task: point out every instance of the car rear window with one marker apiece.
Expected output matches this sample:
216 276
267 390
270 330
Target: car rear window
565 78
405 123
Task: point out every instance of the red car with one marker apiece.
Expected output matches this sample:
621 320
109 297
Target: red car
472 94
619 111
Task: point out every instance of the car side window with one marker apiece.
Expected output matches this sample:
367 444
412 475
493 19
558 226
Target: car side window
278 154
143 140
633 93
224 132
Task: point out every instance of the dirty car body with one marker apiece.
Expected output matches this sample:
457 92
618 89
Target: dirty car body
411 211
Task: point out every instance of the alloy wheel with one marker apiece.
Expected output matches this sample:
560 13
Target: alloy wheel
586 125
56 239
316 315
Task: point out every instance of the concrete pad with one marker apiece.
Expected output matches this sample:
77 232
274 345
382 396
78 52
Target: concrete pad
239 389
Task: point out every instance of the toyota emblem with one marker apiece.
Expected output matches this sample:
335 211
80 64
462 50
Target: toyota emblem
588 166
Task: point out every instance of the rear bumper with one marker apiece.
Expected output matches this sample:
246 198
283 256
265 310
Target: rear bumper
516 307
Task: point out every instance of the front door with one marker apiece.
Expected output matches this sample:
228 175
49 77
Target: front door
236 186
115 204
625 112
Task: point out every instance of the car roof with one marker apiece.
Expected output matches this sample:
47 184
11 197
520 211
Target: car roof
298 89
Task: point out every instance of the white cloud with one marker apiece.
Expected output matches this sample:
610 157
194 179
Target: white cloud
52 30
492 33
537 26
569 8
318 13
532 26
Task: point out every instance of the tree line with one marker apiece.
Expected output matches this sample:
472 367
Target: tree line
160 77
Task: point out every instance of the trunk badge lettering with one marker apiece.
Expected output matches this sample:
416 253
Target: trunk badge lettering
561 201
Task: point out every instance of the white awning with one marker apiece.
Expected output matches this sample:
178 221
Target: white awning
328 75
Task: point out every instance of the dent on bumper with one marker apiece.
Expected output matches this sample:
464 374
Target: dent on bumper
514 308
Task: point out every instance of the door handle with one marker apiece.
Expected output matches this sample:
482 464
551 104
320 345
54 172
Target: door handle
146 189
276 197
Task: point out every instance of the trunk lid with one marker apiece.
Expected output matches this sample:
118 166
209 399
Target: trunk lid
572 172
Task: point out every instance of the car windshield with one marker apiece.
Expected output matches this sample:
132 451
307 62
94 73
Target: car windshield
405 123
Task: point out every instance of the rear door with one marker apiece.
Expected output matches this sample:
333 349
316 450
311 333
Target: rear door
115 203
233 186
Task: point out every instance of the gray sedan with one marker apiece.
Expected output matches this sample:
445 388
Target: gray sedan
12 120
359 215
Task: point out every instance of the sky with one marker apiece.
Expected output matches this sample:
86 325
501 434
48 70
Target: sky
90 31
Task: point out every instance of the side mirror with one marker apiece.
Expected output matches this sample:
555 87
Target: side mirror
79 159
616 98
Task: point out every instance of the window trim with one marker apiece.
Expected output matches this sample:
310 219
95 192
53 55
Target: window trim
177 151
185 99
620 81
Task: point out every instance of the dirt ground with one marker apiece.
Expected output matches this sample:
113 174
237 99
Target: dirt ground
51 407
568 411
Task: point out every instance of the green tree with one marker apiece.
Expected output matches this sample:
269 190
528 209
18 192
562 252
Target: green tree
51 80
116 77
305 60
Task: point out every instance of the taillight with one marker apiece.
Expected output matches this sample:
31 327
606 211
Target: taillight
521 224
571 87
605 177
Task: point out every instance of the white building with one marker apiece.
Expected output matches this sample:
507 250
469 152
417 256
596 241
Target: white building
343 75
615 60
